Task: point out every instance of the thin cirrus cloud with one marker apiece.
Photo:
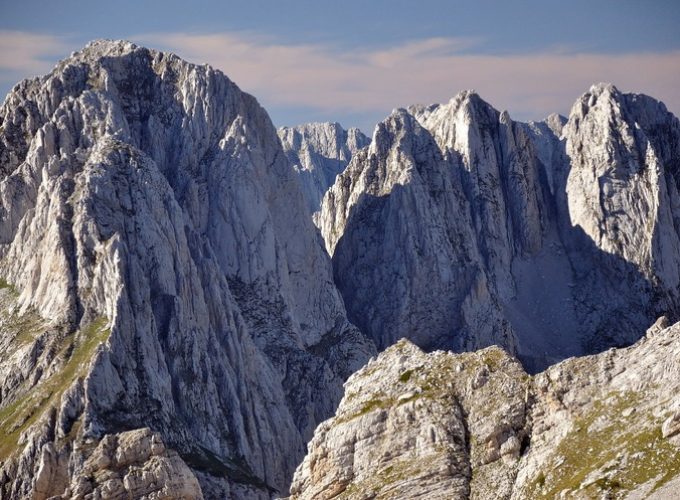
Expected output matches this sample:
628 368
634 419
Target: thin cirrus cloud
29 54
335 83
530 85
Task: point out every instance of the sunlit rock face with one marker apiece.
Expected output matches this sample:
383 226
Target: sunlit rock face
173 323
318 153
167 274
475 425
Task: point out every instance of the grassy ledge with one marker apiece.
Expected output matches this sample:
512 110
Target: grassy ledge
73 359
618 457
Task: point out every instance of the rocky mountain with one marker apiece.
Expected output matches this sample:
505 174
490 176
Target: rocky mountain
459 228
172 326
318 153
475 425
159 270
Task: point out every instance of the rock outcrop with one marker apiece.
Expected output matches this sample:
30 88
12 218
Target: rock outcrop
132 464
318 153
404 253
164 272
475 425
459 228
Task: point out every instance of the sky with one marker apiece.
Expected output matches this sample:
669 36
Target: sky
354 61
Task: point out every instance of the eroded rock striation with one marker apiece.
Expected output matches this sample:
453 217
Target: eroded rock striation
475 425
318 153
165 273
459 228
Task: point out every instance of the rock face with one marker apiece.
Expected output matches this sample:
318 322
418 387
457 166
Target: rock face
165 273
318 153
475 425
404 253
133 464
622 190
459 228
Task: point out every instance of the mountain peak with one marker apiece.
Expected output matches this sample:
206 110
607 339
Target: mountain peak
603 87
319 152
465 95
119 149
168 275
100 48
600 96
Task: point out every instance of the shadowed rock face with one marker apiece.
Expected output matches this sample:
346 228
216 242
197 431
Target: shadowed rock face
475 425
166 272
459 228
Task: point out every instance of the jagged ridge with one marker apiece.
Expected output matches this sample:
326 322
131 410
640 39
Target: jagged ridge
460 228
318 153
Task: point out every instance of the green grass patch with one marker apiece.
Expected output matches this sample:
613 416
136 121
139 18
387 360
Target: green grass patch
629 451
379 401
540 480
404 377
4 285
493 357
73 359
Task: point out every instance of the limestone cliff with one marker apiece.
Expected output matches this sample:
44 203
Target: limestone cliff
475 425
459 228
164 273
171 323
318 153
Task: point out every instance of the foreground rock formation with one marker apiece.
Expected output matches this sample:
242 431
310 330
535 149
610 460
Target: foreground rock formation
133 464
459 228
160 270
475 425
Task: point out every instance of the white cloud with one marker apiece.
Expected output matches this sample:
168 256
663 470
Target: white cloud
29 54
421 71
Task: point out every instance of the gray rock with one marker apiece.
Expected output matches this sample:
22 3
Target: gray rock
404 253
318 153
460 228
170 323
671 426
132 464
167 275
412 426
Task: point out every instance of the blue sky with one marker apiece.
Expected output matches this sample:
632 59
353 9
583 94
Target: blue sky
353 62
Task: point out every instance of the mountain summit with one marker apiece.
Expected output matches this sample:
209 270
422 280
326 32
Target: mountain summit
459 228
164 273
